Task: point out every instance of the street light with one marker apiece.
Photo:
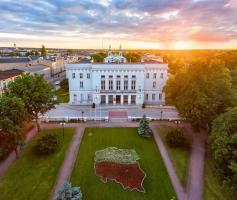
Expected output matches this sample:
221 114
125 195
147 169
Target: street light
161 112
82 112
63 125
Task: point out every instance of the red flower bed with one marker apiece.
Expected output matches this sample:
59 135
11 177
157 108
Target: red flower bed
128 175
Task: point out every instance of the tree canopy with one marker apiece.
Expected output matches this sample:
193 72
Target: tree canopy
133 57
224 147
35 92
201 91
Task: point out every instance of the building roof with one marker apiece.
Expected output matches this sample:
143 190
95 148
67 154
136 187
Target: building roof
34 68
10 73
18 59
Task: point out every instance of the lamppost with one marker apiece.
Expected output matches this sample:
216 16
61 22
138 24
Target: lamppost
63 125
161 112
82 112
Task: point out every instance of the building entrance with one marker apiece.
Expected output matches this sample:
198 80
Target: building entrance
118 99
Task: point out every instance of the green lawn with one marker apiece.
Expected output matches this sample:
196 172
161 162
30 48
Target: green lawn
179 156
62 96
157 183
31 176
212 188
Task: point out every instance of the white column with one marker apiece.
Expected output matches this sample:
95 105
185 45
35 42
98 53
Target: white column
107 99
114 99
129 99
122 99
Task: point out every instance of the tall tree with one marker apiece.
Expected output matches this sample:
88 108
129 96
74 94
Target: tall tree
201 92
43 51
11 135
13 108
36 93
12 114
223 143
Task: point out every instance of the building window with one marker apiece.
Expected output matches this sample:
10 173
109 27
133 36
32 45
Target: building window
161 75
118 76
147 75
74 98
110 76
154 75
81 75
110 84
133 87
147 97
153 97
102 84
154 84
82 97
88 76
125 84
102 76
160 96
73 75
126 76
81 84
133 76
118 85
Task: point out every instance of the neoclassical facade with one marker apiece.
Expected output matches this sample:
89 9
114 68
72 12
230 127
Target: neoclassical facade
117 83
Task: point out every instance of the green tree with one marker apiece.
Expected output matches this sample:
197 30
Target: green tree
98 57
43 51
36 93
13 108
12 114
11 135
133 57
70 51
69 192
201 92
223 143
144 129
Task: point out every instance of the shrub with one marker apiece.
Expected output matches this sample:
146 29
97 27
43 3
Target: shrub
175 138
47 144
143 105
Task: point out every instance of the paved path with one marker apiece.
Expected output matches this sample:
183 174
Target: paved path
181 195
69 160
196 168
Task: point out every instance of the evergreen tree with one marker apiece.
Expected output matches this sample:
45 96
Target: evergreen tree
69 192
144 129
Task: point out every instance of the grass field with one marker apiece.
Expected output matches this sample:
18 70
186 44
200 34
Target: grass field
179 156
157 183
31 176
212 188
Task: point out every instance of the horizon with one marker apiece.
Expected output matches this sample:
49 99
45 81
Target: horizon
138 24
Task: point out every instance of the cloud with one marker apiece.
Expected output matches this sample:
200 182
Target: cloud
140 20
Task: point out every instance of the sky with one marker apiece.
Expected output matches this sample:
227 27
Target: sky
135 24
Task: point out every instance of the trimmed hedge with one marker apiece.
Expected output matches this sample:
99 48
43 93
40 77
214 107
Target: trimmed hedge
47 144
175 138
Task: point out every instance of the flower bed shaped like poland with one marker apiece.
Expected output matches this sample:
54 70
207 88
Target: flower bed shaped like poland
121 166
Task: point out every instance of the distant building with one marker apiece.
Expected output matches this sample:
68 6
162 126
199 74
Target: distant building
6 77
116 57
7 63
117 82
40 69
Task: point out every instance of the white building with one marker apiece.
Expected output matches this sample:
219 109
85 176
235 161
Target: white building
117 82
